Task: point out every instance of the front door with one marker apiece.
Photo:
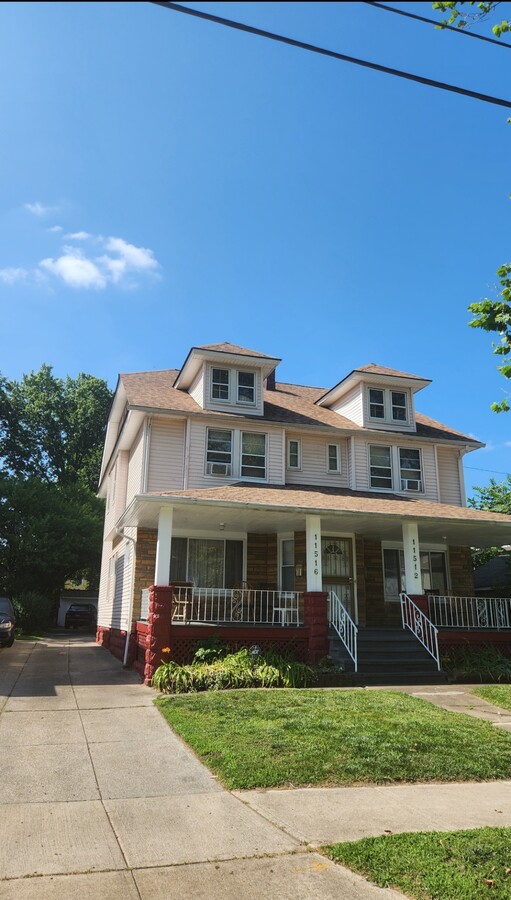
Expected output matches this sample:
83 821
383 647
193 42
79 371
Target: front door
337 567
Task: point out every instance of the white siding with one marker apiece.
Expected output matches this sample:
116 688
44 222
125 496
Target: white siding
136 462
104 604
166 455
197 389
449 476
351 406
314 462
198 478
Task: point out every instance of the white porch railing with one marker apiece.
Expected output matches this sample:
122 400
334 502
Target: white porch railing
341 621
420 626
236 605
470 612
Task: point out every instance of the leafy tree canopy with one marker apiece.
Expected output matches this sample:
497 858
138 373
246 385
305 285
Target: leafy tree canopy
493 315
51 441
496 496
53 428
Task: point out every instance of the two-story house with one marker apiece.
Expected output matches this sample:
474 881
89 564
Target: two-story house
245 497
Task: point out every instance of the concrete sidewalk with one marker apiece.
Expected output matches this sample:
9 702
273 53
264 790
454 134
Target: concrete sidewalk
100 798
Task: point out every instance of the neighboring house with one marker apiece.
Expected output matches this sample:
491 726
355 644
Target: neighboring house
493 578
250 501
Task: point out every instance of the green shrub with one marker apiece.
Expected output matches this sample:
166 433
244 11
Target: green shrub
33 612
484 663
243 669
207 650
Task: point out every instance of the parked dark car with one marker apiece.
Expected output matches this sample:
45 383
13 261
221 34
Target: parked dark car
81 614
7 622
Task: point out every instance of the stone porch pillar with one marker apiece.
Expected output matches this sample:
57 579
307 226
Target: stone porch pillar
159 625
315 617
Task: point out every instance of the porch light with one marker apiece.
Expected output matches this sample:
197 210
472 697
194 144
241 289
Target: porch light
299 570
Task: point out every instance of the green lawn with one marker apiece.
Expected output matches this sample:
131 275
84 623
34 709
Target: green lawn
457 865
498 694
273 738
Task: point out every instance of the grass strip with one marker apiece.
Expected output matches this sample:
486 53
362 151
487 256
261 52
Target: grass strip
290 738
498 694
456 865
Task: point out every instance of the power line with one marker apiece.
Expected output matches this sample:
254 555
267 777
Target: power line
409 15
489 471
313 48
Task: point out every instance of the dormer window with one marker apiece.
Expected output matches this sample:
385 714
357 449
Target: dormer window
388 406
237 387
246 387
220 384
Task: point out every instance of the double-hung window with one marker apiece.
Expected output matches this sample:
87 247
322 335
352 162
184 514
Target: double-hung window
388 406
380 465
253 455
219 452
410 470
246 387
220 384
333 458
395 468
293 454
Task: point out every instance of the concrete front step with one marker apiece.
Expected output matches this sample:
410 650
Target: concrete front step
388 656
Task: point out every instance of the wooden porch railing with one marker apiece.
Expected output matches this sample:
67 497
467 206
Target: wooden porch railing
422 627
470 612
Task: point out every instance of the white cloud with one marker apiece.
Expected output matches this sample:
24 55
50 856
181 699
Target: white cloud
78 236
55 229
11 275
75 270
38 209
136 258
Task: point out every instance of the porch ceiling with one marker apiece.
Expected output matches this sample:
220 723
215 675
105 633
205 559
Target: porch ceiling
247 508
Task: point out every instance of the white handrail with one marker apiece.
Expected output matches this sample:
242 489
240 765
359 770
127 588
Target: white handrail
420 626
341 621
470 612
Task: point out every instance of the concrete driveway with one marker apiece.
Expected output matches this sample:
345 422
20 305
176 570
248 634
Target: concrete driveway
99 799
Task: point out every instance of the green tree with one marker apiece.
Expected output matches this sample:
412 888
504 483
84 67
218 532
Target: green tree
493 315
497 497
51 440
54 428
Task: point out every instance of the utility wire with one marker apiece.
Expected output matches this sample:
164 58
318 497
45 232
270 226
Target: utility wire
312 48
409 15
490 471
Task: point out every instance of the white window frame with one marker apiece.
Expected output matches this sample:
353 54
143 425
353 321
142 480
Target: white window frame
254 477
236 461
233 387
220 383
239 400
337 468
289 465
395 469
388 405
210 463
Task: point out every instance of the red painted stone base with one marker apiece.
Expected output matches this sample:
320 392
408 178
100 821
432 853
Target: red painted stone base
315 618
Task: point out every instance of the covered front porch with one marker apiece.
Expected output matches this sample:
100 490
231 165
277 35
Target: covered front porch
243 557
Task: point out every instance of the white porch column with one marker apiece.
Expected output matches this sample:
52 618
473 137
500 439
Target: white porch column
413 577
163 544
313 553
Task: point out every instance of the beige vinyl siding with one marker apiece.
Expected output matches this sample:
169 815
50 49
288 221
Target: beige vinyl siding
351 406
449 476
136 463
361 463
197 389
116 491
104 601
314 462
429 476
198 437
166 455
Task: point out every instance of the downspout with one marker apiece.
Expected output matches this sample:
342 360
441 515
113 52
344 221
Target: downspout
120 532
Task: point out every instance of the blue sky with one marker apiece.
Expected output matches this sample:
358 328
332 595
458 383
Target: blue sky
168 182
